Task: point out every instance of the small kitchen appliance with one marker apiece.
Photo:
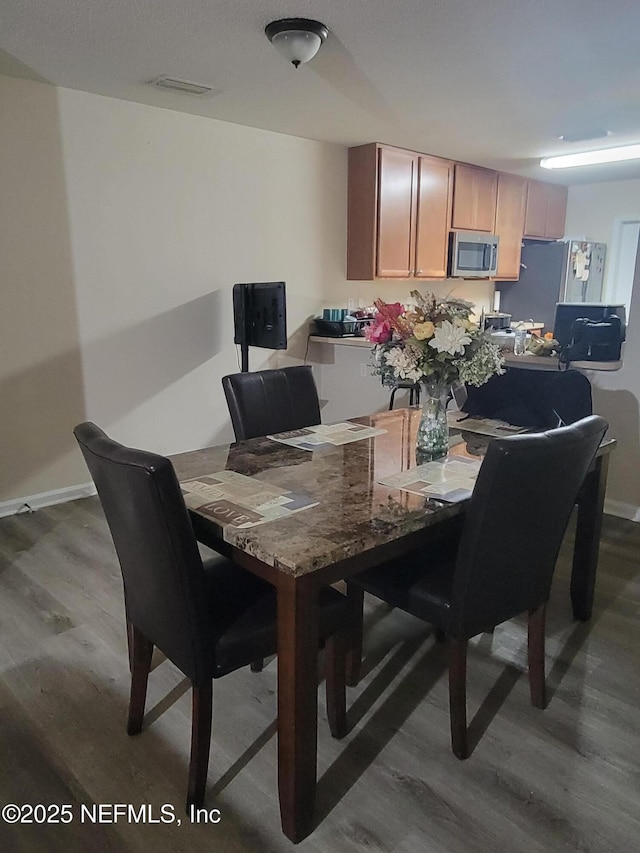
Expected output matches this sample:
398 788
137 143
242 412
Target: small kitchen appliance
473 254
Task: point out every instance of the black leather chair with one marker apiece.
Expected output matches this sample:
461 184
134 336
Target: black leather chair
270 401
501 562
537 399
208 619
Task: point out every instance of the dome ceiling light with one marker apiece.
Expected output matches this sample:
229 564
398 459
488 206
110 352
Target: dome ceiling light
297 39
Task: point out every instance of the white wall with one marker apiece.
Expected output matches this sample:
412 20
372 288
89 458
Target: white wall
592 211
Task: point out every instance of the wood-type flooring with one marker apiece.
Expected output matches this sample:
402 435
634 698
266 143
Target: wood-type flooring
563 779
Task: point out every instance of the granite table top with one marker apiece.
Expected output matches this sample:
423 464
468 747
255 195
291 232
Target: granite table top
350 512
342 510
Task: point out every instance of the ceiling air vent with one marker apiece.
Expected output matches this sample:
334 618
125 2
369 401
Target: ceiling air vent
185 86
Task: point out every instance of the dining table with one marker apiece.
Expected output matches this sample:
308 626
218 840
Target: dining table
312 507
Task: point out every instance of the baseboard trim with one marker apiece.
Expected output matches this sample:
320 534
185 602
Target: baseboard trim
57 496
622 510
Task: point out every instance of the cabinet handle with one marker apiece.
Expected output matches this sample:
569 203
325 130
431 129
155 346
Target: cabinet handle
418 272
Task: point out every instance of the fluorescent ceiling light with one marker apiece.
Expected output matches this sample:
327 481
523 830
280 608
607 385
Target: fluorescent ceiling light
591 158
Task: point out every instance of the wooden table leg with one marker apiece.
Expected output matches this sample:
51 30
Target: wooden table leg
297 704
587 542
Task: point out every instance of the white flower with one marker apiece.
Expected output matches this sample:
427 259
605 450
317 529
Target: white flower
404 362
450 337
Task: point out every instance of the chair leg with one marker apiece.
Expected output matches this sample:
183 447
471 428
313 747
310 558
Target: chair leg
257 665
391 398
335 683
537 682
140 653
458 697
200 744
355 603
130 644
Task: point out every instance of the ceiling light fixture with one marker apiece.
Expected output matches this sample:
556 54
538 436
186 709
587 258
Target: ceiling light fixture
592 158
297 39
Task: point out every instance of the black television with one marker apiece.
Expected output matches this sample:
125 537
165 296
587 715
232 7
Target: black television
568 312
260 316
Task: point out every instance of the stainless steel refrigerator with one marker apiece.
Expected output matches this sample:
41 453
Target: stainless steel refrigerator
567 271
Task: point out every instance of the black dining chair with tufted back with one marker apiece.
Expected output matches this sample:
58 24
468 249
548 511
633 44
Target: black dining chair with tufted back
499 564
208 618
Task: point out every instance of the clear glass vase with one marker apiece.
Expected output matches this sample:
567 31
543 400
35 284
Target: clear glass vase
433 431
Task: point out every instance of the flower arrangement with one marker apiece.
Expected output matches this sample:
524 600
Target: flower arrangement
434 341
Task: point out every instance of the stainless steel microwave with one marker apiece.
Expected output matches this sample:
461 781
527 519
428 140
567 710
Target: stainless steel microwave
473 254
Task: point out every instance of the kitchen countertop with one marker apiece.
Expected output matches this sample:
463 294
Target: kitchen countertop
528 360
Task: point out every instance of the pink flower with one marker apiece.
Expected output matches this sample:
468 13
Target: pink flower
379 333
394 309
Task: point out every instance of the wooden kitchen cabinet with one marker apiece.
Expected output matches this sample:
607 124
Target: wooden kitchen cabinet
546 211
556 211
474 198
399 208
509 225
397 176
401 205
434 195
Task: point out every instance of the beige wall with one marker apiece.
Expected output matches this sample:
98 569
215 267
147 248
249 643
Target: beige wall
41 391
124 229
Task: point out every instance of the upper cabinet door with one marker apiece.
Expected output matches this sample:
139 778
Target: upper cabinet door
397 182
546 210
510 211
556 211
362 212
536 215
474 198
435 185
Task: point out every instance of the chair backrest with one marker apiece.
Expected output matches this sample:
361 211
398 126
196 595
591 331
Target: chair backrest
270 401
516 520
158 554
538 399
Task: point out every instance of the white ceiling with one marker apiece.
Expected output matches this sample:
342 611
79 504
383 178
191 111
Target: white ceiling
493 82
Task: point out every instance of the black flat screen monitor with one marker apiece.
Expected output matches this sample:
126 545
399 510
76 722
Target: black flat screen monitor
567 312
260 314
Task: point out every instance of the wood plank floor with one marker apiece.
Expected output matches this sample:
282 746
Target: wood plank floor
565 779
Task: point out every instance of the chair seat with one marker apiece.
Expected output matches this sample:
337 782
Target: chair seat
244 609
419 583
